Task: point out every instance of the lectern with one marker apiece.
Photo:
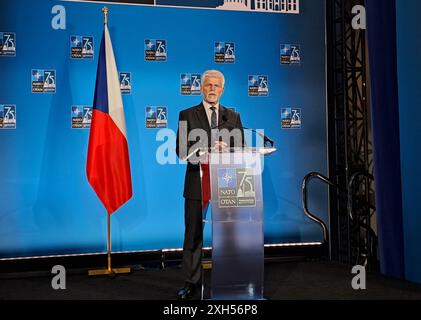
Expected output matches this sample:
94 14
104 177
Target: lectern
236 202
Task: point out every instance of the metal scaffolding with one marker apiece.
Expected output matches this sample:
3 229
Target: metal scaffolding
352 211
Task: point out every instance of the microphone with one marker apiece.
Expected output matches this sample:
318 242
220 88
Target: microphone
266 139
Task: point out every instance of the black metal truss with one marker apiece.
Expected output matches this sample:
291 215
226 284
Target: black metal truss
352 237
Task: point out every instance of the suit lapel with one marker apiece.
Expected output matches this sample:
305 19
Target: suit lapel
222 115
203 117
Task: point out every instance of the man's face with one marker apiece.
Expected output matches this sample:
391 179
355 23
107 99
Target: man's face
212 89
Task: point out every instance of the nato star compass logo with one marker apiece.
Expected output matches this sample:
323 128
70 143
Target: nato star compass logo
76 117
291 118
43 81
190 84
236 188
81 117
155 50
156 117
258 86
224 52
82 47
290 54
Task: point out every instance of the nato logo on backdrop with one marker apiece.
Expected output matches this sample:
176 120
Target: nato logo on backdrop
290 54
224 52
82 47
236 188
155 50
156 117
77 117
258 85
291 118
190 84
81 117
7 44
7 116
43 81
125 82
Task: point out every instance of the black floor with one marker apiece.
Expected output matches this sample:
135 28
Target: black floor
304 280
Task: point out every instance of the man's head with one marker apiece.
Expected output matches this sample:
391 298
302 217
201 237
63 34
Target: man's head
213 83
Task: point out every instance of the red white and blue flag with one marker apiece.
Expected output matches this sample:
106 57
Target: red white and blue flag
108 165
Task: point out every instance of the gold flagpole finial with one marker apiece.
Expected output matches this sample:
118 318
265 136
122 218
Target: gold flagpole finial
105 11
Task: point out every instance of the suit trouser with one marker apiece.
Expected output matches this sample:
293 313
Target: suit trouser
193 241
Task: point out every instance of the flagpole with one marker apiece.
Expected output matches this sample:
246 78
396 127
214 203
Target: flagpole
105 11
109 271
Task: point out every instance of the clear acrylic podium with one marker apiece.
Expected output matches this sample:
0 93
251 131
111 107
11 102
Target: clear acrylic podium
237 223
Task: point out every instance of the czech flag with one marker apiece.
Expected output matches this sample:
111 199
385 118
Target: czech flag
108 165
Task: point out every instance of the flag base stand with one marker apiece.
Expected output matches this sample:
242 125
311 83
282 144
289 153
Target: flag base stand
109 270
102 272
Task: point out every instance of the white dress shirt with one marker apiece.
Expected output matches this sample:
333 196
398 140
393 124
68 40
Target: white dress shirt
209 111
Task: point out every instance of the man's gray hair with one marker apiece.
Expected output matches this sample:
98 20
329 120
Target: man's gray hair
214 74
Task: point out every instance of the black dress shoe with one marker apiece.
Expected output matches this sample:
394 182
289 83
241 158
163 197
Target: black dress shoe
187 292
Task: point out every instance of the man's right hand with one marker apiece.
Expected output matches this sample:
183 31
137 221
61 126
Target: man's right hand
220 146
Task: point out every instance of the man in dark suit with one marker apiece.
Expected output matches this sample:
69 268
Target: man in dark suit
202 123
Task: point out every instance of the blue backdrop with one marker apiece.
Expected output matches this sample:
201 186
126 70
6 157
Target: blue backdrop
46 204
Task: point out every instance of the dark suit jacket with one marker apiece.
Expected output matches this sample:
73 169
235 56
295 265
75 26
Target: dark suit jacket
196 118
